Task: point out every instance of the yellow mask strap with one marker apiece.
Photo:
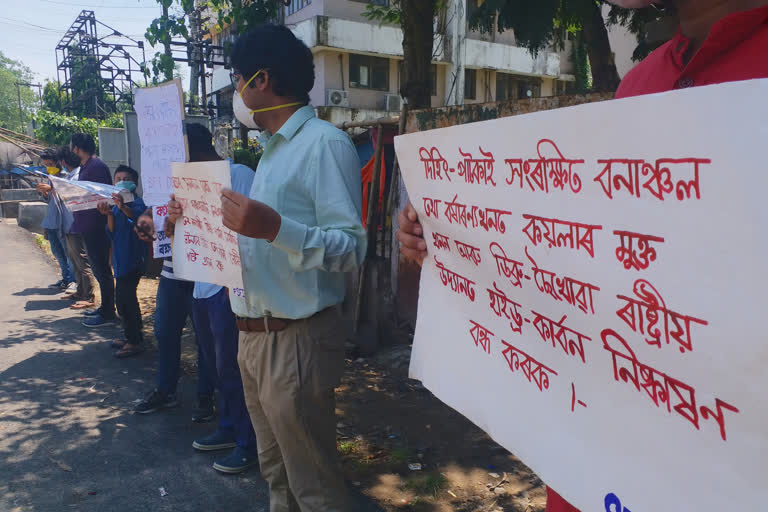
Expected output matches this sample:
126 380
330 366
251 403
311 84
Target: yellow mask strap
276 107
249 81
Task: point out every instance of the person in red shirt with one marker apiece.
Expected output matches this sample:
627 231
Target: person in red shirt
718 41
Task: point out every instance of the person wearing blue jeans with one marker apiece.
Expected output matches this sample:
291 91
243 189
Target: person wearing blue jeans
173 306
52 223
217 339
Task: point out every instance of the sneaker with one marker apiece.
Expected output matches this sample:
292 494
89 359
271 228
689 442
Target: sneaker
236 462
66 284
216 441
93 312
97 321
71 289
205 410
156 400
58 284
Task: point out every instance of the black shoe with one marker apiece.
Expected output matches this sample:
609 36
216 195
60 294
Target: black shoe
205 410
156 400
59 284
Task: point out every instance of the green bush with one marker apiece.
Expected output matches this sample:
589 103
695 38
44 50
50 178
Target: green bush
57 129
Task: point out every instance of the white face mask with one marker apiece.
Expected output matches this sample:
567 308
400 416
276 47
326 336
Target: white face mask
242 112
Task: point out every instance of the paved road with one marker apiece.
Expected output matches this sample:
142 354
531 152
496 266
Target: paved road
68 439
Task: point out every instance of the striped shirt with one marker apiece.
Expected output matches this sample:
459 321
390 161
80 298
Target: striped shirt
168 270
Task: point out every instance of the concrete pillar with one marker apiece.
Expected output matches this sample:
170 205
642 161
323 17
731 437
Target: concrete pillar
457 35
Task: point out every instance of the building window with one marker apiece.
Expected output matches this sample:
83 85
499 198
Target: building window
432 78
369 72
296 5
528 89
505 87
470 84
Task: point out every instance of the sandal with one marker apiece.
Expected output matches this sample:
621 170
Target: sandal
83 304
128 352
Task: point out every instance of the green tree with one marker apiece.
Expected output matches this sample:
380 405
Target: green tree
57 129
11 72
544 22
53 99
240 15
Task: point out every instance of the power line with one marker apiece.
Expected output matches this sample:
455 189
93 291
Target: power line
103 6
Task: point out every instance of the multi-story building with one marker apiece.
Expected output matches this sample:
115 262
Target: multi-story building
358 61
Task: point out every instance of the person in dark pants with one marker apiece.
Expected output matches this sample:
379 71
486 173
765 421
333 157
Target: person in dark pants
217 337
173 305
90 224
128 258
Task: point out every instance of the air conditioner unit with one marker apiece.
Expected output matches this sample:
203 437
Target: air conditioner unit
336 98
393 102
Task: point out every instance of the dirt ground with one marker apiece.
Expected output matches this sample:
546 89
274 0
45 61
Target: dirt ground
399 444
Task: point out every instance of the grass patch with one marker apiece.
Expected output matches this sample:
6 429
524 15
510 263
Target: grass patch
346 447
41 241
399 456
427 484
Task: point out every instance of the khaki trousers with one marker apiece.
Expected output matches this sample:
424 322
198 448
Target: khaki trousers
79 259
288 379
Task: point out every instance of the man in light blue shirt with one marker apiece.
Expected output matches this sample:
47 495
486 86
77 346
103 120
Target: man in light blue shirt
300 231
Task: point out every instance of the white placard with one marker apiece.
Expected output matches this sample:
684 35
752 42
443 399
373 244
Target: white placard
203 249
160 114
594 293
86 195
161 247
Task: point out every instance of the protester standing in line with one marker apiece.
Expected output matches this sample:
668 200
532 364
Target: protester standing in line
128 259
217 336
300 231
91 225
83 294
718 41
52 223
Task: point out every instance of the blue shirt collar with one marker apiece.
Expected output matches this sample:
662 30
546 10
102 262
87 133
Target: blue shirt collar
292 125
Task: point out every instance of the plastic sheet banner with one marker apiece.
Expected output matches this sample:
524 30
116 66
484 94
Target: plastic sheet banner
594 292
86 195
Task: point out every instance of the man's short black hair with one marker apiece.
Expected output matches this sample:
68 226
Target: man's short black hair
50 154
69 158
274 48
199 138
130 170
83 141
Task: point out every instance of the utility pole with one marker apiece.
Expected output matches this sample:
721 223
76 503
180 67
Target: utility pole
21 113
167 45
195 56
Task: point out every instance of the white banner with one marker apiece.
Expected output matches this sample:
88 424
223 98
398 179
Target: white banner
203 249
86 195
160 114
594 292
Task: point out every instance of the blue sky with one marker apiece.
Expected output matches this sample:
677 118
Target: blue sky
30 29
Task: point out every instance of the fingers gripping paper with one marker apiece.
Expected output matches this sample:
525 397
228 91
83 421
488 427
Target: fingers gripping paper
203 249
596 281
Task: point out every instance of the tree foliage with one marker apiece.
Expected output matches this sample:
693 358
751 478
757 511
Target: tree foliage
239 15
53 99
57 129
12 71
